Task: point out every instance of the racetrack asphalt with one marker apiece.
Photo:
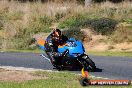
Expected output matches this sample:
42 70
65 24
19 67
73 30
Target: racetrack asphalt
107 67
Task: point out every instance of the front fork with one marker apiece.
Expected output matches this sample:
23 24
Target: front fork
81 64
80 60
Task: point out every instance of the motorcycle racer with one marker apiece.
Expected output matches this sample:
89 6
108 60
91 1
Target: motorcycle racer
52 42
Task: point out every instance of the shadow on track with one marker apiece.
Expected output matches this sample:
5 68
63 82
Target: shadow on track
98 70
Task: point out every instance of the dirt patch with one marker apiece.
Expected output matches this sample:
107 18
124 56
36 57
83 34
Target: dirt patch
123 47
18 76
41 36
94 42
127 47
2 70
99 43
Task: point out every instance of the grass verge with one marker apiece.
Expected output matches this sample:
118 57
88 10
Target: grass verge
106 53
110 53
54 80
23 51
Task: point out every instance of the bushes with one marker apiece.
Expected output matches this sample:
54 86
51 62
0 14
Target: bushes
1 25
15 16
129 21
58 16
102 26
116 1
37 28
73 21
37 17
24 35
74 32
45 20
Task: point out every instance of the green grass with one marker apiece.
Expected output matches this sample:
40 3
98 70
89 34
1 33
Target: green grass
106 53
109 53
23 51
54 80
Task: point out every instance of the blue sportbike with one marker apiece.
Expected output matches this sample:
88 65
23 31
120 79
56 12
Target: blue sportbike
74 56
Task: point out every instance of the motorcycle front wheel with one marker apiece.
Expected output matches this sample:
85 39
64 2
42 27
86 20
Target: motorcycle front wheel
87 63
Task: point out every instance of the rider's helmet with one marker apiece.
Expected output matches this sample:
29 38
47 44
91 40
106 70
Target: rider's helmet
57 36
56 33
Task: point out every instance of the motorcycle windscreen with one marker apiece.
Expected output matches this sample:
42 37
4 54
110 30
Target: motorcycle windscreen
41 43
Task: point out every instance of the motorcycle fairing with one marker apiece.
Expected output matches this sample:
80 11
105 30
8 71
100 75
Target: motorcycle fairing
41 44
75 49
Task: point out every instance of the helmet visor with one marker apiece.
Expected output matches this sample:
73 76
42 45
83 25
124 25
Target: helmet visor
57 34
